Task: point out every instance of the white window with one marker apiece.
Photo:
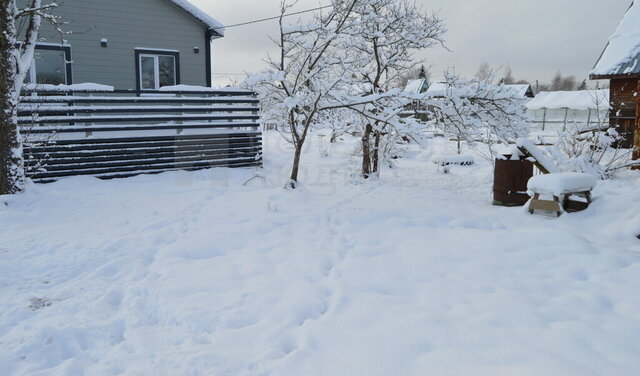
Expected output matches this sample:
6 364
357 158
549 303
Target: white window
157 71
49 66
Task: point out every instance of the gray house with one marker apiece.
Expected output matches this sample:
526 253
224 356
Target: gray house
127 44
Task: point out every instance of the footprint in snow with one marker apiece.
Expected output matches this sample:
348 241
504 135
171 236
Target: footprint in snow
36 304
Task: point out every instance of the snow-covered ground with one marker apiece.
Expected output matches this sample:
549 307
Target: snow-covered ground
412 274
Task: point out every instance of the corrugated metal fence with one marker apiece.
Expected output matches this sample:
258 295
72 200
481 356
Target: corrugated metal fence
125 133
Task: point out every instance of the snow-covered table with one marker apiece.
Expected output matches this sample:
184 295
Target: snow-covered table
561 186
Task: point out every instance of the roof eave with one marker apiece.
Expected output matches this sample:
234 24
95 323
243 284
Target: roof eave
214 28
214 34
613 76
607 76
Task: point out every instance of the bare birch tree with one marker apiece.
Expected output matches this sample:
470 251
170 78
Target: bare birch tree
15 60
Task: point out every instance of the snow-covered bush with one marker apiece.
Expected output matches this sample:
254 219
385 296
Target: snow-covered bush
594 152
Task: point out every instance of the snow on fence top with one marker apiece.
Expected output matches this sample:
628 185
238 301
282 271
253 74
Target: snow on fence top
187 88
574 100
622 54
87 86
200 15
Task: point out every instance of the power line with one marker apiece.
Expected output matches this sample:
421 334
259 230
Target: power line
273 18
263 20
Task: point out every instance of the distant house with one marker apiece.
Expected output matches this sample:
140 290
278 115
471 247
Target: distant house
127 44
620 63
521 90
439 90
417 86
554 110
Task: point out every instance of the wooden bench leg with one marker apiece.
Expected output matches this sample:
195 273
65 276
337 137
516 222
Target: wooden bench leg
554 205
535 198
587 195
565 200
557 201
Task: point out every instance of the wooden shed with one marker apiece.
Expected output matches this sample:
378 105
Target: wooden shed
620 63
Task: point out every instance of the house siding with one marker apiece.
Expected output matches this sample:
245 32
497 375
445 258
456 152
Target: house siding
127 25
624 102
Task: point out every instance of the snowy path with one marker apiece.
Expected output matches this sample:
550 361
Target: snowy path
414 274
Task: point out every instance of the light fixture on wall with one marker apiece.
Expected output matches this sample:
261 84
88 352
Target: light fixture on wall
103 42
196 49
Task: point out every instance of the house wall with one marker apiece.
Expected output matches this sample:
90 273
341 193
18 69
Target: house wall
624 103
127 24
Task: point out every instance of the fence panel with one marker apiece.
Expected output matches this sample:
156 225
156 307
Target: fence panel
125 133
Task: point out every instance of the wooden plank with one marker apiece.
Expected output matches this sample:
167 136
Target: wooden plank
55 161
88 153
221 93
134 118
130 128
170 160
65 111
138 100
174 138
545 205
526 153
572 206
168 143
124 175
116 175
203 164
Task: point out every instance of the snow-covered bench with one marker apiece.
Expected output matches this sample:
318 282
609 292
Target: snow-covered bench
561 186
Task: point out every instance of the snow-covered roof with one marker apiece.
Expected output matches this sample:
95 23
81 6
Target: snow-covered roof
437 89
415 86
621 56
574 100
520 90
201 16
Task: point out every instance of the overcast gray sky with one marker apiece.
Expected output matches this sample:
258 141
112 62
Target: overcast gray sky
535 37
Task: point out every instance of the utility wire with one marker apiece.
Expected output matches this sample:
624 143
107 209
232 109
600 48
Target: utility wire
272 18
263 20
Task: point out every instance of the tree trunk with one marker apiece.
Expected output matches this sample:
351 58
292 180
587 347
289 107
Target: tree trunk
11 162
366 151
293 180
375 162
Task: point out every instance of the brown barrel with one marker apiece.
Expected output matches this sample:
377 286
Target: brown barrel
510 179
